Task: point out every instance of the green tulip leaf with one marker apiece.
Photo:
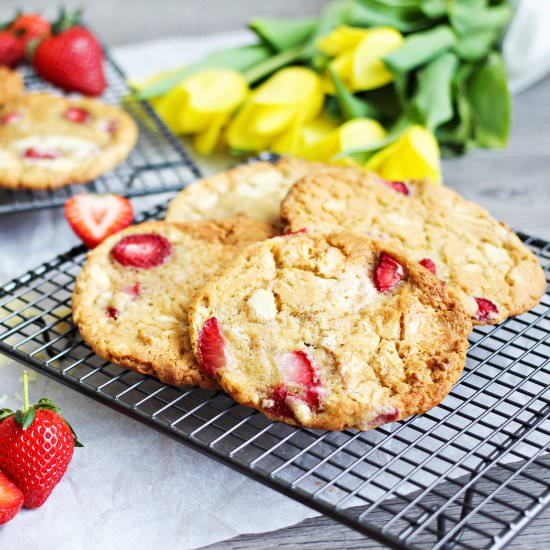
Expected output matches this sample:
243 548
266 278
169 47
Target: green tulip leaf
282 34
489 98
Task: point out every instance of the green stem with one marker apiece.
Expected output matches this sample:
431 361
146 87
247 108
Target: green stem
25 391
273 63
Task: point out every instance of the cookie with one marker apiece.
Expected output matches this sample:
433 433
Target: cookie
253 190
330 331
131 298
11 84
49 141
494 273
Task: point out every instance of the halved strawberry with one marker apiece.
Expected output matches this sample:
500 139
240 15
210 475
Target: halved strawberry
211 347
94 217
486 310
429 265
11 499
10 118
297 369
142 251
77 114
388 273
38 154
399 186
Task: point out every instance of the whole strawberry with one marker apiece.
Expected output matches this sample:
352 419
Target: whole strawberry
11 49
28 27
36 446
71 57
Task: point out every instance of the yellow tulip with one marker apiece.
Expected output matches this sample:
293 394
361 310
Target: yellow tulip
414 155
358 55
202 104
298 140
355 133
287 100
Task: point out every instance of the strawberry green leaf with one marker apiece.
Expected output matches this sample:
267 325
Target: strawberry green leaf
76 442
5 413
47 404
24 418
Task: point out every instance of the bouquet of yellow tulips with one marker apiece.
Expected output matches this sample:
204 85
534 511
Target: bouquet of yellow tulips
385 84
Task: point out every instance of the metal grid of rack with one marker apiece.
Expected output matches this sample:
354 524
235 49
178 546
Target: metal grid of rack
157 164
454 477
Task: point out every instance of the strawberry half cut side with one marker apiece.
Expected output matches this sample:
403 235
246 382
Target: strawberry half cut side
388 273
95 217
10 118
429 265
486 310
211 347
142 251
11 499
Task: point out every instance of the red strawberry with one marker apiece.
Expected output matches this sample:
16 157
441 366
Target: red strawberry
28 27
399 186
388 273
11 499
37 154
36 446
211 347
301 381
279 408
134 290
94 217
486 310
71 58
143 251
429 265
298 232
389 415
297 369
10 118
77 114
11 50
112 313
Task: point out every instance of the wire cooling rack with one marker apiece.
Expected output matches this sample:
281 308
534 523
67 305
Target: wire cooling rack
157 164
470 473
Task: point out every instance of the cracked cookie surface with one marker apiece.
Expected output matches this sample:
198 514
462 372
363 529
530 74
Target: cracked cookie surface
131 298
253 190
330 331
494 273
48 141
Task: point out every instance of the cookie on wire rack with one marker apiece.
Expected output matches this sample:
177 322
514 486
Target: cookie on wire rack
494 273
48 141
330 331
131 298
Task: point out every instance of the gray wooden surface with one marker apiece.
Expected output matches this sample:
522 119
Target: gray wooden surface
514 184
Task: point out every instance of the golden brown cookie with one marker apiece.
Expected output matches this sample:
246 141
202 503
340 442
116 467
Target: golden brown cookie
253 190
131 298
11 85
49 141
494 273
330 331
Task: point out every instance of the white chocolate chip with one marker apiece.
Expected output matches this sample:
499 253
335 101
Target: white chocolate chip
300 409
262 304
335 205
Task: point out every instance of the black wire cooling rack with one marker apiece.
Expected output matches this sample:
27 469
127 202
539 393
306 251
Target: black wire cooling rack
470 473
157 164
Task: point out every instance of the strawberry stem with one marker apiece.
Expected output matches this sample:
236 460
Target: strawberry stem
25 391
